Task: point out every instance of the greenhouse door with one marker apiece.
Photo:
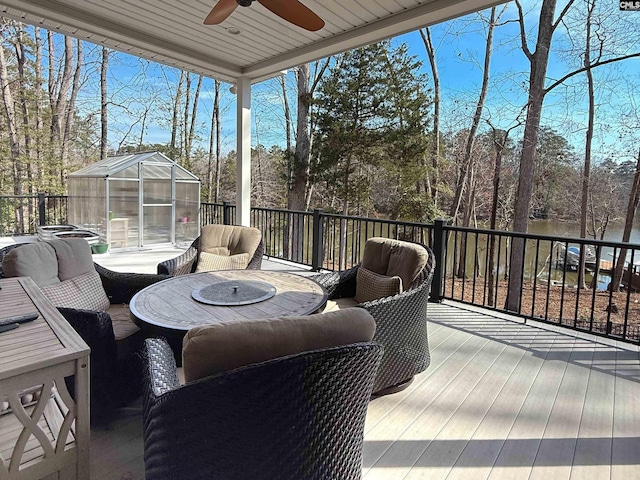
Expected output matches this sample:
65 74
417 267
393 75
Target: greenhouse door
157 205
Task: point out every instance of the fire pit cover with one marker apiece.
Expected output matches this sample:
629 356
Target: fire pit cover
234 293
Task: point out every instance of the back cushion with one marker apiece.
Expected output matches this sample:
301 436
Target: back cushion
84 292
74 257
76 283
376 255
36 260
406 261
212 349
229 239
372 286
390 257
209 262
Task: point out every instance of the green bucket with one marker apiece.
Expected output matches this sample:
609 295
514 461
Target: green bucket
99 248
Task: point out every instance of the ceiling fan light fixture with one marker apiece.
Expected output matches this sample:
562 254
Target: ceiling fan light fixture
292 11
233 31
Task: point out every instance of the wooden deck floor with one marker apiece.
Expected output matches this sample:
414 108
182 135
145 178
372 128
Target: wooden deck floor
501 400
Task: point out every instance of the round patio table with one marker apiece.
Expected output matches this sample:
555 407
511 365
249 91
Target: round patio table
169 307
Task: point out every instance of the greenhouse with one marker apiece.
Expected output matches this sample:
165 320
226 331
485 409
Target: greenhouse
136 200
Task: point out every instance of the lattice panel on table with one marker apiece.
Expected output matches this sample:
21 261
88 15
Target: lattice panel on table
43 426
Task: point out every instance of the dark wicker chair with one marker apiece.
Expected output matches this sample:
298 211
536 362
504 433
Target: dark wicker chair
401 324
293 418
113 382
188 261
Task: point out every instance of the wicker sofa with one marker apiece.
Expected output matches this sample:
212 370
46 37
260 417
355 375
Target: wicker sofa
401 319
286 400
225 240
115 342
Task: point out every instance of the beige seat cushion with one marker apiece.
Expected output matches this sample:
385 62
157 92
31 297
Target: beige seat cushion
372 286
209 262
339 304
212 349
229 239
128 336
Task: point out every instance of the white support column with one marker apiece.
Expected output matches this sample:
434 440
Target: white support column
243 160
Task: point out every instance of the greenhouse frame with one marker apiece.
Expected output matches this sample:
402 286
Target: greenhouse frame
136 200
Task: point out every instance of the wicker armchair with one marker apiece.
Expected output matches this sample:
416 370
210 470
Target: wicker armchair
116 367
401 324
293 418
188 261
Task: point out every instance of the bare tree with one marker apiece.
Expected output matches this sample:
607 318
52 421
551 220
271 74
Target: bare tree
176 109
104 102
70 114
537 91
634 198
466 165
435 148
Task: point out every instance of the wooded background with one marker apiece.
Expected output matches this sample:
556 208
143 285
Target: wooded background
363 133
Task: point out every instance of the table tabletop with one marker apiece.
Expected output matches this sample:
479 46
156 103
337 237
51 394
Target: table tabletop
170 305
47 340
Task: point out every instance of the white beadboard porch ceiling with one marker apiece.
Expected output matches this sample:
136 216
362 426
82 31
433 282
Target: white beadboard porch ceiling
171 31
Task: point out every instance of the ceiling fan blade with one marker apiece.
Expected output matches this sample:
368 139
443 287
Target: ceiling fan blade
220 12
295 12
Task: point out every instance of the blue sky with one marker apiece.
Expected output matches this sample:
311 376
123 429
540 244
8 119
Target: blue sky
460 49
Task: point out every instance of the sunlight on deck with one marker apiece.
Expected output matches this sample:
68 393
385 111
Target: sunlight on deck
501 400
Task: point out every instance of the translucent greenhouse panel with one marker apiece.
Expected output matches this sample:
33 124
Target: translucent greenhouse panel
124 213
157 203
131 172
87 204
157 225
187 209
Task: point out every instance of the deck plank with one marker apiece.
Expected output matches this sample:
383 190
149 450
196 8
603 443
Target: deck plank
501 400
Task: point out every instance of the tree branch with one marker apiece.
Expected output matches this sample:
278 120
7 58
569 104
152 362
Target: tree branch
319 76
523 35
562 14
583 69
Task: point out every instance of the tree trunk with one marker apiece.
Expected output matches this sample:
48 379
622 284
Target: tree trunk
104 122
174 118
14 142
634 197
212 134
499 146
539 61
192 125
300 163
38 88
287 225
22 89
587 146
70 114
62 98
468 151
435 152
184 134
216 106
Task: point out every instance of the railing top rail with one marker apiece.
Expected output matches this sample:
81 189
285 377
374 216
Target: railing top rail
284 210
380 220
536 236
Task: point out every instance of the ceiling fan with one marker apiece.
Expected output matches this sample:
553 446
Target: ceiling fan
291 10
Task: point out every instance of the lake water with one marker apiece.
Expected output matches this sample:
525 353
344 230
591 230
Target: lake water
572 229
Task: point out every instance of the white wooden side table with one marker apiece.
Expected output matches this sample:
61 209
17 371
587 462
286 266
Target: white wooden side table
44 433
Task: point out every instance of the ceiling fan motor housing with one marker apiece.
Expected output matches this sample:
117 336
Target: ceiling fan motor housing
244 3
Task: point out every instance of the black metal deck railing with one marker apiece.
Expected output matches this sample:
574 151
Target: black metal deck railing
473 265
21 214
